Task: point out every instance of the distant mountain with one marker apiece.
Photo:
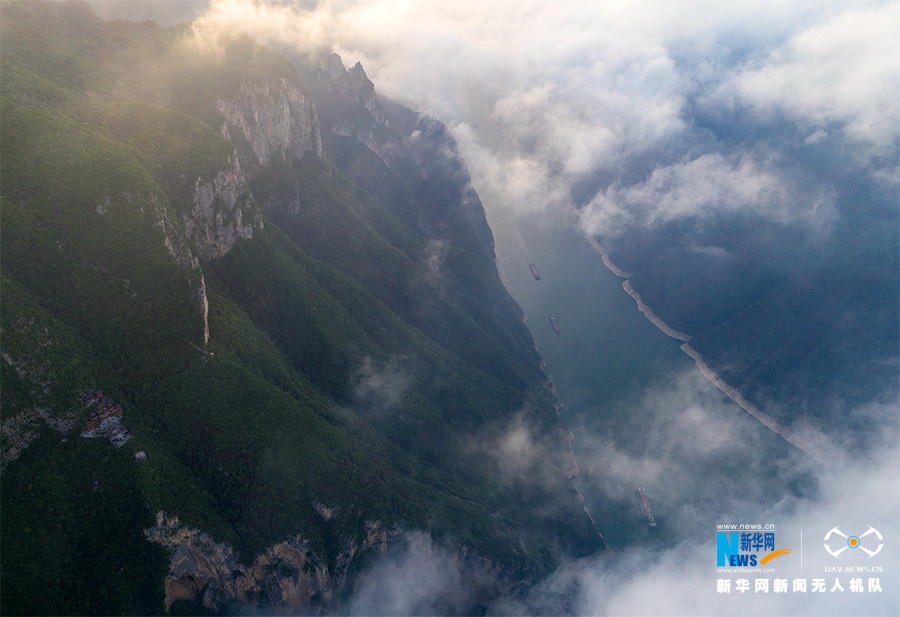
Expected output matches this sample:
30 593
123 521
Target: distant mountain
288 283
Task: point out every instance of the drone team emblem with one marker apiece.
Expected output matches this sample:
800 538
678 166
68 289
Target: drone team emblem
852 542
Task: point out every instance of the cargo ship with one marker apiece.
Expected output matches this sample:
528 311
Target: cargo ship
555 326
534 271
645 506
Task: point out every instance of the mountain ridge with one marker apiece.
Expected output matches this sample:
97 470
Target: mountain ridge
285 340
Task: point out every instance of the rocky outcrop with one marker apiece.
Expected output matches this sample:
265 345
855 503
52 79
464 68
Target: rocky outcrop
34 365
440 201
267 121
20 429
352 109
183 255
287 577
223 212
351 85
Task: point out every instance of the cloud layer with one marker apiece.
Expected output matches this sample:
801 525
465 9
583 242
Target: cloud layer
709 184
542 98
689 431
682 580
841 72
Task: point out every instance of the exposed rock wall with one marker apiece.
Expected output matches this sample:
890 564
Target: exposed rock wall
286 577
274 120
223 212
413 146
20 426
263 123
352 85
185 257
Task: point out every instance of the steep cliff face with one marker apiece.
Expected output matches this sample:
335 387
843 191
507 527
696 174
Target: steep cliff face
435 195
276 119
223 211
178 247
287 576
411 164
352 86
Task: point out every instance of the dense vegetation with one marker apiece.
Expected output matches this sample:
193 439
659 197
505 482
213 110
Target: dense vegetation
343 366
72 533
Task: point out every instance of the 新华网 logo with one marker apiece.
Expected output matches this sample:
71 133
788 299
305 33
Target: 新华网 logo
746 549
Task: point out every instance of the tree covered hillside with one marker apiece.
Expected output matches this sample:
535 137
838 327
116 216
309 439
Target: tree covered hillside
298 357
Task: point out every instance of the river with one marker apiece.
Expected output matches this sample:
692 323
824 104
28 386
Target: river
642 412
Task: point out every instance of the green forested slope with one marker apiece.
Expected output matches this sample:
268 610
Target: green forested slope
341 367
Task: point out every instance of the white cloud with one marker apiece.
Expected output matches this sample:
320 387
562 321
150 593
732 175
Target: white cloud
522 455
539 95
692 425
716 252
710 183
844 71
421 578
682 580
694 443
381 387
687 438
704 463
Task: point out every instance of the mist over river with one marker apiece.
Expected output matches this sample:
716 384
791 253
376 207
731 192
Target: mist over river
641 411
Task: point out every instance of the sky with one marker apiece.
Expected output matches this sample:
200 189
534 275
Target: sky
642 113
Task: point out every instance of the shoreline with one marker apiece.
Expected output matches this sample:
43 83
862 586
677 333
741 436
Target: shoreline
710 375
